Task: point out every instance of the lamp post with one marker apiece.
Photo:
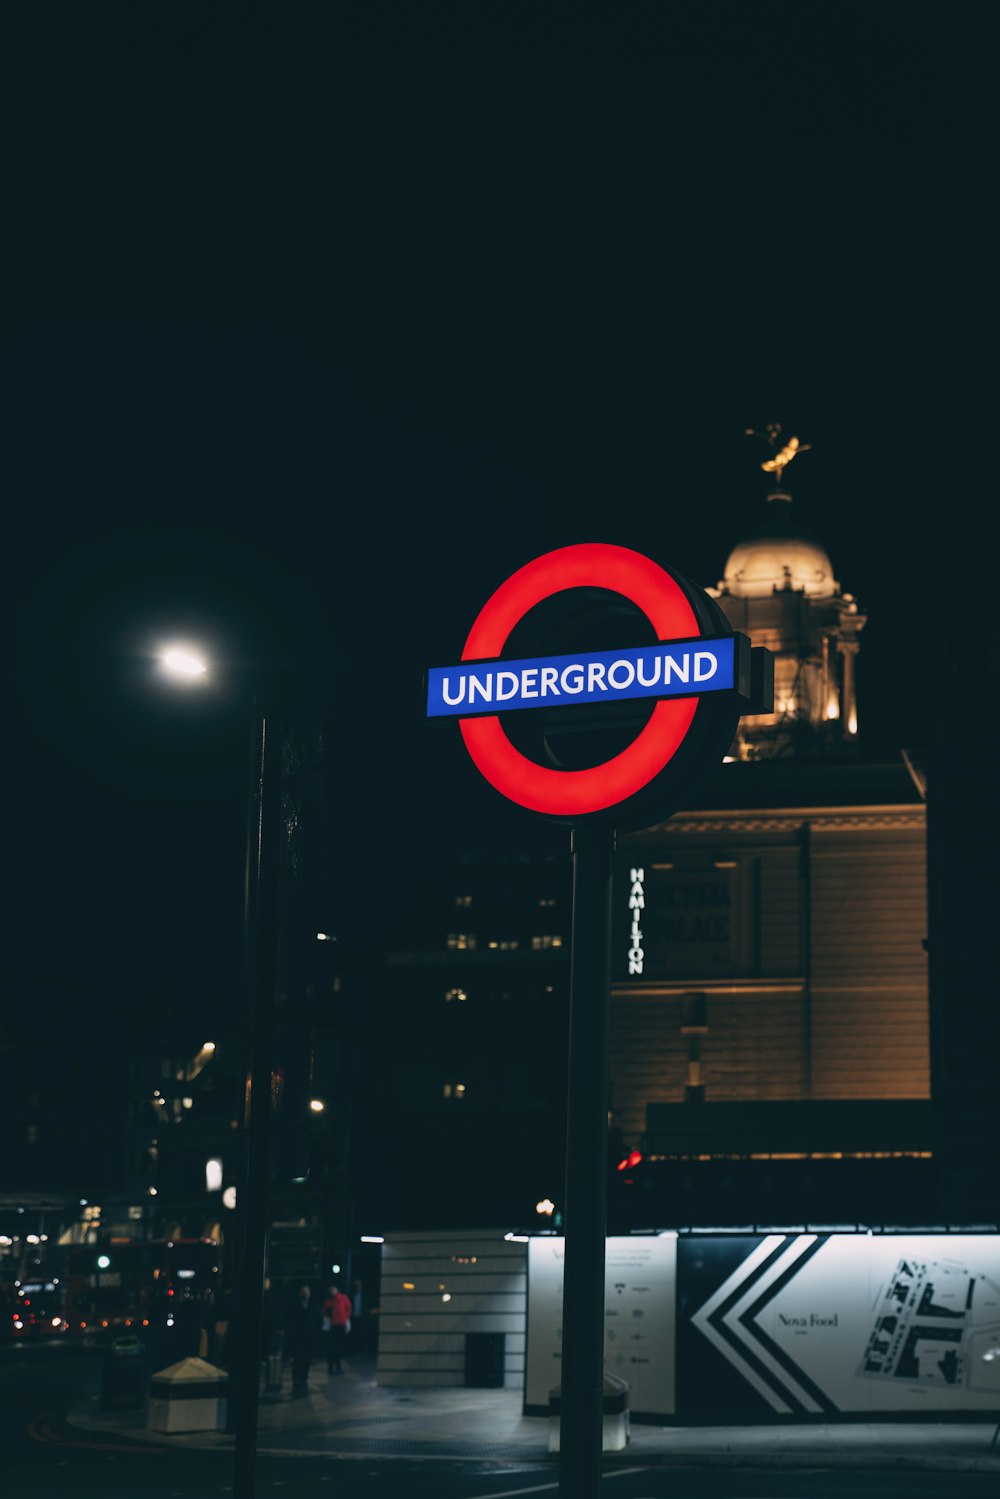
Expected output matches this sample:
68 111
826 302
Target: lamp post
260 951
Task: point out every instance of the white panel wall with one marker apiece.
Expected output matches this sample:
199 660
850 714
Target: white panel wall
640 1275
422 1335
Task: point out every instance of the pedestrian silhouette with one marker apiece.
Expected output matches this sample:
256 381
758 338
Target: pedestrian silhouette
301 1339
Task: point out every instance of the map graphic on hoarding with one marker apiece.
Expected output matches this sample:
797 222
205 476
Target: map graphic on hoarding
930 1315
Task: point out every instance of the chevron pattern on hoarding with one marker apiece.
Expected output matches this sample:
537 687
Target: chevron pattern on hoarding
730 1320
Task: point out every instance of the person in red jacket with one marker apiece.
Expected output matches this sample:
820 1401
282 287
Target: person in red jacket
336 1326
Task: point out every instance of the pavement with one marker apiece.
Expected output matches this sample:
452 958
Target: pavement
350 1415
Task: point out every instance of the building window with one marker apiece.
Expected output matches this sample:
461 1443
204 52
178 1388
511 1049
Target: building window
463 902
455 995
455 1092
506 944
547 940
461 941
546 901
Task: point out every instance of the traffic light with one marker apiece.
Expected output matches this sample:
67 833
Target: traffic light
628 1163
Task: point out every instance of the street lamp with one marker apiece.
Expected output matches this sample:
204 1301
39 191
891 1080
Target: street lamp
183 663
260 955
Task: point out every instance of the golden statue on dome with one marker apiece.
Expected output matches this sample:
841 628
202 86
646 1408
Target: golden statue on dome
780 457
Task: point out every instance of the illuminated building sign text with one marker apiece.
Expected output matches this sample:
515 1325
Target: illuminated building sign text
636 903
678 668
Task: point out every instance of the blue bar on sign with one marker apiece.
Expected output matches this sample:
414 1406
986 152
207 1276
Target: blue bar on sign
674 668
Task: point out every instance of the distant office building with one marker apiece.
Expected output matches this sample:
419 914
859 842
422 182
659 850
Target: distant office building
469 1091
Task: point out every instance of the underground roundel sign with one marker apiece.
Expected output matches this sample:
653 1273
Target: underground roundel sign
641 719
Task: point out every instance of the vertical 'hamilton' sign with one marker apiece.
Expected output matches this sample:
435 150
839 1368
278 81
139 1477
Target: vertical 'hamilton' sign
593 688
636 903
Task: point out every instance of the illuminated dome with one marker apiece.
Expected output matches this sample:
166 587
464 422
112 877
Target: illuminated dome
780 556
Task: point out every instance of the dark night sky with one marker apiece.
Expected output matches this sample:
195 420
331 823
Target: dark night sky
324 320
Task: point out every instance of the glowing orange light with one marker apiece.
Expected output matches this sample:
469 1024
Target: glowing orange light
782 458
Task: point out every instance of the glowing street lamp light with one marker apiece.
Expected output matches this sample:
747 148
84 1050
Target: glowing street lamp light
182 662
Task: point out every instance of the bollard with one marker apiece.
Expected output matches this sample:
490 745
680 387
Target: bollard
189 1396
615 1423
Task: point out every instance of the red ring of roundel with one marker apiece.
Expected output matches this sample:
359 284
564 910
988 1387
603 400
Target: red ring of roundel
575 793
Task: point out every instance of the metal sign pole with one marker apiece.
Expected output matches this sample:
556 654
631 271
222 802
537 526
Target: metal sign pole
263 872
581 1405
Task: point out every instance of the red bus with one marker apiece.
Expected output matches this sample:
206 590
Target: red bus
34 1307
126 1284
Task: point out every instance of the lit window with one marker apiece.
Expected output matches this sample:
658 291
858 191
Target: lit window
546 901
505 944
458 995
463 901
548 940
453 1090
461 941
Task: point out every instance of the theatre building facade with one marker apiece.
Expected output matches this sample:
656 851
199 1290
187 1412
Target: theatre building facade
770 1015
777 1027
